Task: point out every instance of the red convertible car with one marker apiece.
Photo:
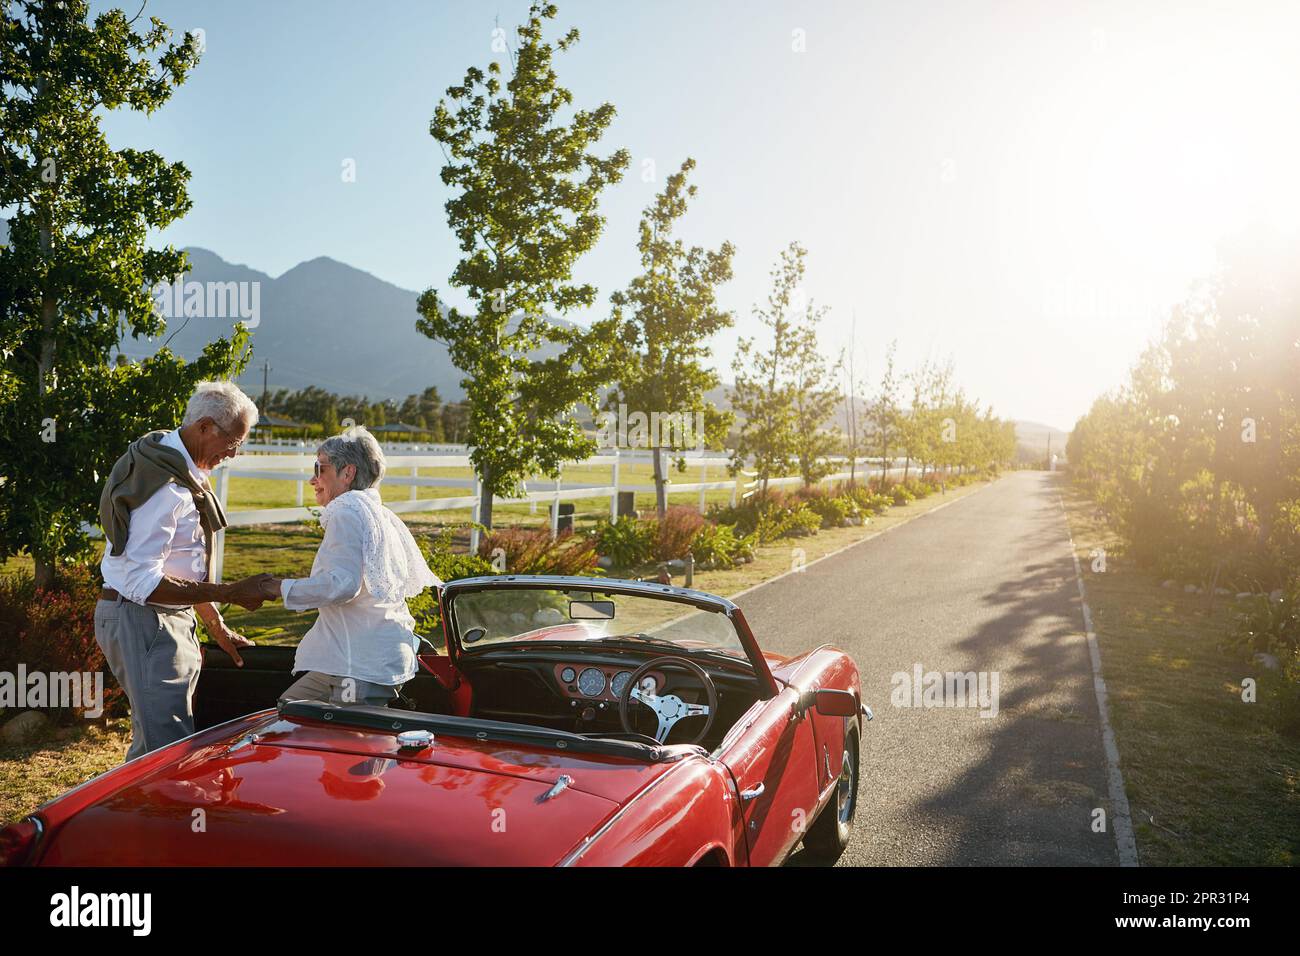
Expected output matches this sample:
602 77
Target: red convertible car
570 722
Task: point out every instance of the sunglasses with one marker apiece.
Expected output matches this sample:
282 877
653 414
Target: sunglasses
316 468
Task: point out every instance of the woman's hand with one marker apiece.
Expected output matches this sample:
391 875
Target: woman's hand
270 587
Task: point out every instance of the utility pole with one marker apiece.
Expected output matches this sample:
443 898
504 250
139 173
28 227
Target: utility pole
1049 451
266 369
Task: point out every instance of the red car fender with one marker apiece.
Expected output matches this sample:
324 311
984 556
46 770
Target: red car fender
826 668
681 817
57 811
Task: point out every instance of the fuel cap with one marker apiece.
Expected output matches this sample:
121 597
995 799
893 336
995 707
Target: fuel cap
415 739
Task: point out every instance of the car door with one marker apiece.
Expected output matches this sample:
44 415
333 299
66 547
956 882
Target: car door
772 759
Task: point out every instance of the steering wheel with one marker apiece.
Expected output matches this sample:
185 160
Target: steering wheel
669 708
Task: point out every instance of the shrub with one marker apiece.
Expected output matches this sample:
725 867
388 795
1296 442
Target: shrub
534 551
53 630
832 509
1272 627
676 532
902 494
717 545
629 543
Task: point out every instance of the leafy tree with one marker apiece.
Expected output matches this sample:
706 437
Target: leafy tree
884 413
524 211
763 394
814 395
76 273
665 317
855 441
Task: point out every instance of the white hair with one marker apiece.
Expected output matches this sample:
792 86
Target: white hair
223 402
358 447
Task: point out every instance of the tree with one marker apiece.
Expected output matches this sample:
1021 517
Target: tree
884 413
763 394
665 317
814 395
524 212
76 272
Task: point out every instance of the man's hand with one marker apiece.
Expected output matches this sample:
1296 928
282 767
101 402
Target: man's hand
248 592
271 588
230 642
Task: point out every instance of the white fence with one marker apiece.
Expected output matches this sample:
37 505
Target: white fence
403 470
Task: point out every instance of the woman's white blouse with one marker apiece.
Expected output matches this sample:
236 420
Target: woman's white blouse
355 635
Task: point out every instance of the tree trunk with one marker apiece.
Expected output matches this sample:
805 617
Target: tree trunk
661 486
485 500
43 572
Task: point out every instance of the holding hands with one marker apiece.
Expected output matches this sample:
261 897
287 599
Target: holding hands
252 591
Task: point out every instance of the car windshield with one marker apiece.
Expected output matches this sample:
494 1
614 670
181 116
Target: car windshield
501 615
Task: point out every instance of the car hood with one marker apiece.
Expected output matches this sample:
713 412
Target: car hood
305 794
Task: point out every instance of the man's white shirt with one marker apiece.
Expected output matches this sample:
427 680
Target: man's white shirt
163 538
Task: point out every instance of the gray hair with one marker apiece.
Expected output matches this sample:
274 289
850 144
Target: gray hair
358 447
223 402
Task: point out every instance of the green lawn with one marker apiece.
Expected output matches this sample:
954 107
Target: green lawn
1211 780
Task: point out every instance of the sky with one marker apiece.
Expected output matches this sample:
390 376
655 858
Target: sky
1023 188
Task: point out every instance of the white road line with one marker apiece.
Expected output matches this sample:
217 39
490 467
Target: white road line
1125 843
853 544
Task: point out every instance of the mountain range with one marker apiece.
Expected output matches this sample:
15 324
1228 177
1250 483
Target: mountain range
328 324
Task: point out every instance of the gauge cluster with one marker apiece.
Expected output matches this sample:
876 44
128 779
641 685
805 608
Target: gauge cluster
591 682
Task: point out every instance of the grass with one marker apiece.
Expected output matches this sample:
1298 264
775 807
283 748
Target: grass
59 760
1211 780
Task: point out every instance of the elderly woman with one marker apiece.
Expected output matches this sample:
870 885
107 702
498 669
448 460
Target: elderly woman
362 648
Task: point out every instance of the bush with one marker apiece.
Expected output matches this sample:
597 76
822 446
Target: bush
534 551
717 546
902 494
831 509
53 630
629 543
676 532
1272 627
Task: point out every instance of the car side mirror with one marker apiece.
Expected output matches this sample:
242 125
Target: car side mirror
473 634
836 703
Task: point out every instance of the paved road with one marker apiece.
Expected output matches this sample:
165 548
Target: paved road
985 584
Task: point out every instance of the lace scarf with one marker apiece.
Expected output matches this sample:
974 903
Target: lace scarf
392 564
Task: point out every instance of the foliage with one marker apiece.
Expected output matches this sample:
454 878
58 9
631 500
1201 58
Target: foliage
676 532
1272 627
53 630
832 508
76 272
664 318
524 209
534 551
718 546
1196 460
762 394
628 543
814 398
448 565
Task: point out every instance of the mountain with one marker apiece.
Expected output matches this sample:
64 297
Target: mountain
322 323
1032 441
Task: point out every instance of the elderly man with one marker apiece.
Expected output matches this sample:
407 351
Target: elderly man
159 514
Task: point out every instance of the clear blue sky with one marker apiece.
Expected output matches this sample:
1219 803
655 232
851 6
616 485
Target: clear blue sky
1023 187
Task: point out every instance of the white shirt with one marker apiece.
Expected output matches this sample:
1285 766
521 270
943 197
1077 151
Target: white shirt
355 635
164 537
